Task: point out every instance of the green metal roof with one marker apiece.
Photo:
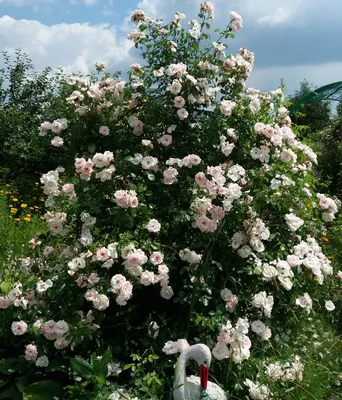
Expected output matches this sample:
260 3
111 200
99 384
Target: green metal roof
331 92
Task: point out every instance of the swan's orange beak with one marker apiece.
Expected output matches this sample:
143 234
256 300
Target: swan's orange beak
204 375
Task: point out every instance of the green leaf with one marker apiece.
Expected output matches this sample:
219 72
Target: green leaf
27 380
5 287
12 394
82 367
3 382
7 365
43 390
100 365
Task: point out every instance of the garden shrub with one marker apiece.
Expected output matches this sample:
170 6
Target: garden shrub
188 213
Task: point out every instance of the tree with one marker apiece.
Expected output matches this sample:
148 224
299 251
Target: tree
317 115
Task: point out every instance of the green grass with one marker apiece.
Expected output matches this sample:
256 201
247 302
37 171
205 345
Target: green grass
15 235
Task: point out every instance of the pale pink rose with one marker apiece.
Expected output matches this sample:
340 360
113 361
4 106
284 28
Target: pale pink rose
57 141
190 160
176 87
135 258
227 106
5 302
236 21
50 327
165 140
81 281
117 282
56 127
68 188
324 202
156 258
18 328
259 127
149 163
102 254
45 126
205 224
61 343
201 179
147 278
101 302
232 303
31 352
90 294
163 269
182 114
137 16
179 101
166 292
135 67
217 213
288 155
56 227
104 130
93 278
221 351
208 8
79 164
304 301
153 226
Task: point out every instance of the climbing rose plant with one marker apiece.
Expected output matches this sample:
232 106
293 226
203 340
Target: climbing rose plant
189 215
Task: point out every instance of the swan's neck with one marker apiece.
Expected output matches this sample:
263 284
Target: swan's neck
181 390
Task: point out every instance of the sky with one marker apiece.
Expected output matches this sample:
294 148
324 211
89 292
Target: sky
292 39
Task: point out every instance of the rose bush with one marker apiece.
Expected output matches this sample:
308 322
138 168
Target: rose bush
188 215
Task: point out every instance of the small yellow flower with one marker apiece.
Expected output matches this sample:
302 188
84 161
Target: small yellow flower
28 215
31 208
36 207
13 210
36 183
23 205
331 257
325 239
17 219
10 206
41 198
14 199
8 185
27 219
42 218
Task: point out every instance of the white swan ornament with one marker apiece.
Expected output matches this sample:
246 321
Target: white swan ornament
194 387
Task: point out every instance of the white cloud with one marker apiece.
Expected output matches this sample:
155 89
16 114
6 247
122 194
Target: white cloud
320 75
26 2
76 47
89 2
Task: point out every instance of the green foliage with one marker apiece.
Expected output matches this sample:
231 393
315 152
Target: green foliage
315 116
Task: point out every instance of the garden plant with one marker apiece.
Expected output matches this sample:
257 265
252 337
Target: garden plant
183 210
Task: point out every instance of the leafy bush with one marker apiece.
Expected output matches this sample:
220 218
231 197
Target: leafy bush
175 224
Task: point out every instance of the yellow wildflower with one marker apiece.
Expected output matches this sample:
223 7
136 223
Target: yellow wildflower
13 210
41 198
14 199
27 219
325 239
23 205
17 219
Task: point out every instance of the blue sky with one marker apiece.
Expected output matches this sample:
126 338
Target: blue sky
292 39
